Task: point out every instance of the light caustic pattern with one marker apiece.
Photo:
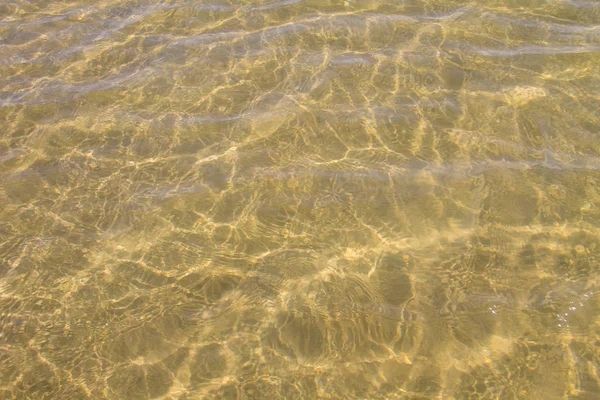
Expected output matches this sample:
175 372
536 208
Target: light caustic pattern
299 199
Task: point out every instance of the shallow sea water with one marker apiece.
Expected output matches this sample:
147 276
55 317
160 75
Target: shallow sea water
300 199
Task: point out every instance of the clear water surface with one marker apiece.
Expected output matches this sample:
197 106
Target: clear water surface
299 199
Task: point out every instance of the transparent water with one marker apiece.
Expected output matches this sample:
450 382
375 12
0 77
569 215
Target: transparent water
300 199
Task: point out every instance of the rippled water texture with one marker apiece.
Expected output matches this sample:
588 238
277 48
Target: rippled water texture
300 199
